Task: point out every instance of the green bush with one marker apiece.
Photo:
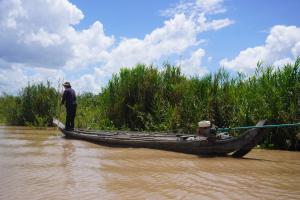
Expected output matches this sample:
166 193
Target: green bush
35 105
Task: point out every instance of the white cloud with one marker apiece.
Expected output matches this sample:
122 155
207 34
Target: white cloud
204 25
14 78
38 41
282 62
296 49
198 11
87 82
36 37
174 37
41 74
45 37
180 32
89 46
281 46
9 81
192 66
32 40
211 6
193 8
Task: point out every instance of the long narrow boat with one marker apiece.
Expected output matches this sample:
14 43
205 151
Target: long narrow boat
236 146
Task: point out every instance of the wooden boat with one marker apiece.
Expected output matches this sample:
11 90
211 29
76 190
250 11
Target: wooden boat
236 146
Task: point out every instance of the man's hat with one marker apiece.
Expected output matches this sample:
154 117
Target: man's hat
67 84
204 124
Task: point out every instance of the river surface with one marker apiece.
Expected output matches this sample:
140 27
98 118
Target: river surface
42 164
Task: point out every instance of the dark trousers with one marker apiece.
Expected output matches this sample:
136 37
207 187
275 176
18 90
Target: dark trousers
71 113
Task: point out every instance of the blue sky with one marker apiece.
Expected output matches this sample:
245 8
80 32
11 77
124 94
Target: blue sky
85 42
253 21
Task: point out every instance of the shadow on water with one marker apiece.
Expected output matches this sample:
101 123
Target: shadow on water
267 160
235 158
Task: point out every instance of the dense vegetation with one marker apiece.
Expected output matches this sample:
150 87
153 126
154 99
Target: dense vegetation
35 105
145 98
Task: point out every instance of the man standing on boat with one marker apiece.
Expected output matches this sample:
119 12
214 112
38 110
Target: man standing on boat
69 99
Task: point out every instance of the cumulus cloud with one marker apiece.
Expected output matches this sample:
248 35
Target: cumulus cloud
8 79
18 76
36 36
174 37
35 39
89 46
185 21
87 82
296 49
40 44
193 65
45 37
281 46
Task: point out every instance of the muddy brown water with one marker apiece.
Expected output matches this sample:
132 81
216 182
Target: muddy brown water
41 164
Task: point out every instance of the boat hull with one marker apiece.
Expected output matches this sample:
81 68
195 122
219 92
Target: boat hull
171 142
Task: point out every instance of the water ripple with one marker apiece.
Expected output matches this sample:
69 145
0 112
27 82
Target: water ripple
37 164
